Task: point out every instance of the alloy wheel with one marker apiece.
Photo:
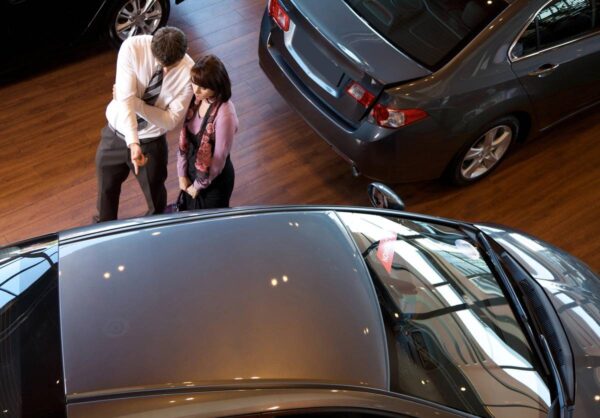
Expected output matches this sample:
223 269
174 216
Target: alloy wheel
486 152
138 17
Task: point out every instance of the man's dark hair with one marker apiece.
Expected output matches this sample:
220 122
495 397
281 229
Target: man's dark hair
209 72
169 45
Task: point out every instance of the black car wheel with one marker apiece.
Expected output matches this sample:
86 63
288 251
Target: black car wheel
136 17
484 154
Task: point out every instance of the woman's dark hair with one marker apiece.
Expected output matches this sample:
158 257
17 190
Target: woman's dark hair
169 45
209 72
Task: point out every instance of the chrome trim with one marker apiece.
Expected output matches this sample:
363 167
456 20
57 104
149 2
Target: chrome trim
288 37
513 59
269 43
17 249
542 72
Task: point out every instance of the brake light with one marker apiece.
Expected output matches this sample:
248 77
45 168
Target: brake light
279 15
360 94
395 118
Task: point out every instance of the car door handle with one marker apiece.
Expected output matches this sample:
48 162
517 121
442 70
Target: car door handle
544 70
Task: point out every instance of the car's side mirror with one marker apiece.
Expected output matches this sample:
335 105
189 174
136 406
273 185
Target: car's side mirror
382 196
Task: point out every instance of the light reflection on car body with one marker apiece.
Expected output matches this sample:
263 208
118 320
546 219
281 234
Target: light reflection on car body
282 305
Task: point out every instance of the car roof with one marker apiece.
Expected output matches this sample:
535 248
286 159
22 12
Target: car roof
250 297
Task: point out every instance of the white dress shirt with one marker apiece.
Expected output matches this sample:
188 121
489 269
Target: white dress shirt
135 66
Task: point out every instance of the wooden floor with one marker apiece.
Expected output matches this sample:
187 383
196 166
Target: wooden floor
50 125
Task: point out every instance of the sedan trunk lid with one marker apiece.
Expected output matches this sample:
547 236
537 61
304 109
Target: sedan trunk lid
328 45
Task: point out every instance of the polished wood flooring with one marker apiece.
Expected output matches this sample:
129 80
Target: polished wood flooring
50 124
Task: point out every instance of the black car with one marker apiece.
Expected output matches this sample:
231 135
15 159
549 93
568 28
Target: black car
298 311
414 90
30 30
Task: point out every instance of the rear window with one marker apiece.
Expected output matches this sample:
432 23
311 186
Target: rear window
430 32
31 383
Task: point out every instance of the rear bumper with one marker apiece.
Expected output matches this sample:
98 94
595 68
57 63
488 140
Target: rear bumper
408 154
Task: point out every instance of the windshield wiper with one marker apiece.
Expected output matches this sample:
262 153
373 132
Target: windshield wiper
543 349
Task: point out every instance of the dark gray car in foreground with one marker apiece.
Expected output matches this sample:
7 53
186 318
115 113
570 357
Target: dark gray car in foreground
296 311
413 90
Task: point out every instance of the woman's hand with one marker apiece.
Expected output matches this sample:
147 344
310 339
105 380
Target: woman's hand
191 190
184 183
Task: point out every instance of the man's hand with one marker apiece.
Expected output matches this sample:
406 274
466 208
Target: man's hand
191 190
137 158
184 183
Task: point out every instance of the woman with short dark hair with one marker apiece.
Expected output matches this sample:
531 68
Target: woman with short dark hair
204 167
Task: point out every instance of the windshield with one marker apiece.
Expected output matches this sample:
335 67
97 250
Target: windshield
31 382
430 32
452 335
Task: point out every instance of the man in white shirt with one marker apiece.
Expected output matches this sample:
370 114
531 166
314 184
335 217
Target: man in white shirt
151 95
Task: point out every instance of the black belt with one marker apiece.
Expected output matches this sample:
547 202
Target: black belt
142 140
114 131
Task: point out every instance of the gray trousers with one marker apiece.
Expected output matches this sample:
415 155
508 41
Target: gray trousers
113 164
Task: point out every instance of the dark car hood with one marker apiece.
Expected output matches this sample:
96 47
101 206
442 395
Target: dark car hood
574 290
244 300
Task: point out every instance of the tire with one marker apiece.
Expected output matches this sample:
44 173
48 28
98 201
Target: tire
481 156
135 17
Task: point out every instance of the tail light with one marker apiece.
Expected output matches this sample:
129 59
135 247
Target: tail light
360 94
279 15
395 118
382 115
